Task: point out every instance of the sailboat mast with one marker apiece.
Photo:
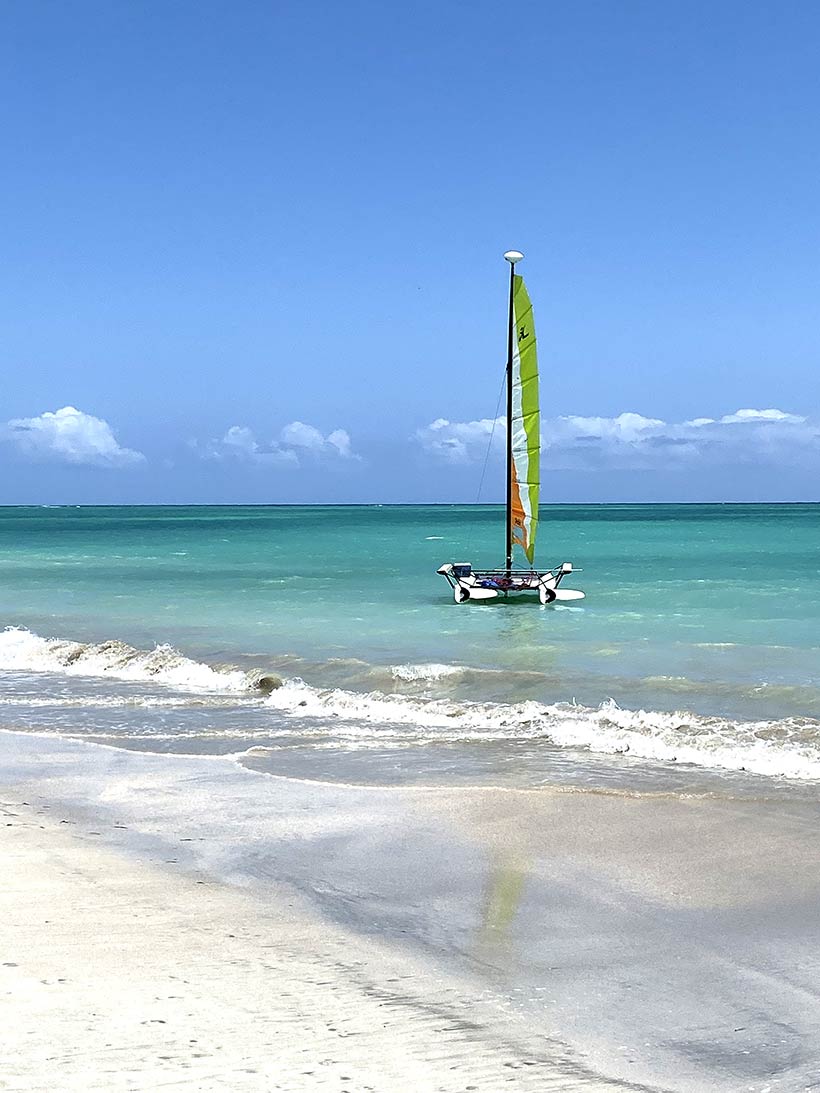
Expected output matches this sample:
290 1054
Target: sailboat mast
509 423
512 256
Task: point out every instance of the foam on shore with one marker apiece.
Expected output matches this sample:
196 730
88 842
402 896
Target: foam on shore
788 748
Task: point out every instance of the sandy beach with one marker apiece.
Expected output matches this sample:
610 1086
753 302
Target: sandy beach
118 974
184 923
131 972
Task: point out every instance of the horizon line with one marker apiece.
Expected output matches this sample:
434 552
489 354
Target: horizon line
373 504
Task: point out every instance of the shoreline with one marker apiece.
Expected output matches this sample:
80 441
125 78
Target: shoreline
613 941
419 703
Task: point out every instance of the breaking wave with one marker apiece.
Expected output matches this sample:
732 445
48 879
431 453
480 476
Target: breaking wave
788 748
21 650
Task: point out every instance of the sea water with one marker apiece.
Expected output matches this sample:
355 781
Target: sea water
320 642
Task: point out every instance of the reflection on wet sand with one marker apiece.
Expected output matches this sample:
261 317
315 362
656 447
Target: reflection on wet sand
686 928
665 941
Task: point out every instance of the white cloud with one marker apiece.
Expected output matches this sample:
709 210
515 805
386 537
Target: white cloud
340 440
299 435
745 416
626 428
70 436
295 442
633 441
461 441
240 442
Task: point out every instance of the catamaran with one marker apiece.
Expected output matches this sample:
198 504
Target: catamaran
523 474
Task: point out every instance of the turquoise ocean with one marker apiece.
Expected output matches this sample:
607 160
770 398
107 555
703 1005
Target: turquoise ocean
320 642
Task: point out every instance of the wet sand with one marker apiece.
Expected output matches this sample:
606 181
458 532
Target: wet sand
119 974
183 922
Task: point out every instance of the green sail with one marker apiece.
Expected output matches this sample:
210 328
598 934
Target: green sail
525 423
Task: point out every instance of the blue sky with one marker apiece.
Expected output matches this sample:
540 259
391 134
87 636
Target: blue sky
252 252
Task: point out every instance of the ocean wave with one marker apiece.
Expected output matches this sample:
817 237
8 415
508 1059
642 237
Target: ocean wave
789 748
22 650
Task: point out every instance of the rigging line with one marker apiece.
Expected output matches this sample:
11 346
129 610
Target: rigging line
490 441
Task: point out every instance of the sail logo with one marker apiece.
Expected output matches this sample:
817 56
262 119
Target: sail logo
522 334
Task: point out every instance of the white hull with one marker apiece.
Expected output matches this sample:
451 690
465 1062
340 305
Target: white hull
493 584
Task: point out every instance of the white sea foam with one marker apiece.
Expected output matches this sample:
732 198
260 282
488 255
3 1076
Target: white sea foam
22 650
788 748
410 673
120 702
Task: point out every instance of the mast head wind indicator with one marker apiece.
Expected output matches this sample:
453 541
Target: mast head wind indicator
513 256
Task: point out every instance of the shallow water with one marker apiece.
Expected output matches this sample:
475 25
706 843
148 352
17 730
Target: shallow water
697 645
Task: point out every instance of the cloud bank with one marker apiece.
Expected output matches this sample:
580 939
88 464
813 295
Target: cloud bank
461 441
296 444
69 436
632 441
